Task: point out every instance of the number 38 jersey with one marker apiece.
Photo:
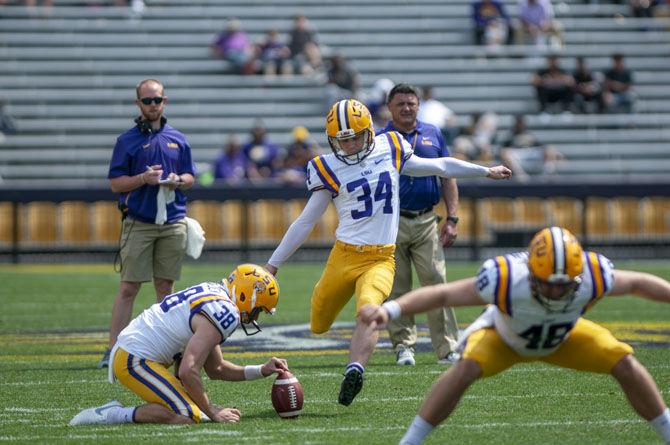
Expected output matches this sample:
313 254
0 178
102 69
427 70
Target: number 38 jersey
365 194
163 330
522 322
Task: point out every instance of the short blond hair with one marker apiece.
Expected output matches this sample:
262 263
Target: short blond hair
145 81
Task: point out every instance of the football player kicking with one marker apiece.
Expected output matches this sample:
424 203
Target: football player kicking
537 299
187 328
361 178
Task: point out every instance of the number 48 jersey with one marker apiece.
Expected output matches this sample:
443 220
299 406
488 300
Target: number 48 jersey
365 194
163 330
522 322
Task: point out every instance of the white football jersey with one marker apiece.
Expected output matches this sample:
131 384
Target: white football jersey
365 194
523 323
163 330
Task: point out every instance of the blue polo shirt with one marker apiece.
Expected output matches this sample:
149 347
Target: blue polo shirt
421 192
134 151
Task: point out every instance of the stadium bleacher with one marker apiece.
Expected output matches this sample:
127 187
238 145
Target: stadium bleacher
68 79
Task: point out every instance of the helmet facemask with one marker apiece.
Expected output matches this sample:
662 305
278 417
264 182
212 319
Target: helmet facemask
555 264
555 301
359 155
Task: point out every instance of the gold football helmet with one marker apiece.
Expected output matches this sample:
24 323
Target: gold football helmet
253 290
555 262
349 119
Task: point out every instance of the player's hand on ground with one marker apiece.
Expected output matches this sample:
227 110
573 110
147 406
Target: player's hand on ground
371 313
225 415
274 365
499 172
270 268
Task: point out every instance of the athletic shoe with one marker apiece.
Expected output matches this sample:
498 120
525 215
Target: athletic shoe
94 416
351 386
104 361
450 358
404 355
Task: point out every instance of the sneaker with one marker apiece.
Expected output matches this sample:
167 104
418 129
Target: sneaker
351 386
450 358
94 416
104 361
404 355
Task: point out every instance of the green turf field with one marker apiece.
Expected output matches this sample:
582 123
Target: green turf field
52 333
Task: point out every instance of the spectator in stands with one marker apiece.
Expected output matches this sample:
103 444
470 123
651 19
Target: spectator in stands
525 154
492 24
150 167
476 142
304 47
375 100
588 91
232 164
274 55
537 21
434 112
342 81
643 8
7 122
618 93
263 155
554 86
298 153
234 45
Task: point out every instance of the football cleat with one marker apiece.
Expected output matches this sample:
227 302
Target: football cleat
351 386
404 355
450 358
95 416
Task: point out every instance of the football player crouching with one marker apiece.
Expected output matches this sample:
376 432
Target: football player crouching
190 325
536 301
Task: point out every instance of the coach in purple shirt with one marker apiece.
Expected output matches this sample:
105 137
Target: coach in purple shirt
151 165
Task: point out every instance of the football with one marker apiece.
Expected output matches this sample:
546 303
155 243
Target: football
287 395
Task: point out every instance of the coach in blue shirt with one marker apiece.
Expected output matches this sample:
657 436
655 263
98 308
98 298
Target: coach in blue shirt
418 239
151 165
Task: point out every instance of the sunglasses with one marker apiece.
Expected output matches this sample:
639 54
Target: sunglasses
149 100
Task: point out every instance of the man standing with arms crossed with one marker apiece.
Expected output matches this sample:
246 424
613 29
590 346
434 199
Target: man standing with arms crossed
151 165
418 241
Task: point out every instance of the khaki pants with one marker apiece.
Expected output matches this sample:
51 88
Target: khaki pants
418 242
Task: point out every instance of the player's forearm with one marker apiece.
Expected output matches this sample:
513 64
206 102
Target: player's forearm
194 387
124 184
444 167
651 287
296 234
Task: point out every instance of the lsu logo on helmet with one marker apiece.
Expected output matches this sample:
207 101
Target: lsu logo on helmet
555 258
350 119
253 290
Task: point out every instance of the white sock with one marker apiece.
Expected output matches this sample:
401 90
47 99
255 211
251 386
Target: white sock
121 414
416 432
662 425
355 365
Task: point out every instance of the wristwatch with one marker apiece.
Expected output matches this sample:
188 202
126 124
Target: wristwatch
452 219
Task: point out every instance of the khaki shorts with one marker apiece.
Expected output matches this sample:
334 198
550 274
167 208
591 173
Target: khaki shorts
152 250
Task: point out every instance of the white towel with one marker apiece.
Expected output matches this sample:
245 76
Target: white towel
165 196
195 238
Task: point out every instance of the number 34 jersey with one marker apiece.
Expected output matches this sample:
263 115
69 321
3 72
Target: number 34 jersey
522 322
365 194
163 330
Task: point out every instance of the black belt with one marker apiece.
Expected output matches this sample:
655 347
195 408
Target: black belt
411 214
